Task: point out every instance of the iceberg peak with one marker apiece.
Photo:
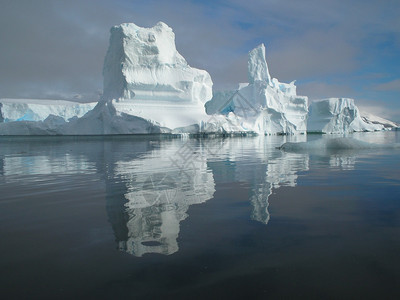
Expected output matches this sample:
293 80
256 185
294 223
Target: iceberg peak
264 105
257 65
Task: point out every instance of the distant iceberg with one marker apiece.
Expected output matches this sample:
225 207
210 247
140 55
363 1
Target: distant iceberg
12 110
338 115
372 119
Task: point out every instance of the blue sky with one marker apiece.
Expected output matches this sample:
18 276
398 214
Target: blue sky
55 49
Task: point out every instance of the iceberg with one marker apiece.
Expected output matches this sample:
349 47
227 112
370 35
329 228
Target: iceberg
264 105
339 116
38 110
145 76
372 119
52 125
149 87
106 119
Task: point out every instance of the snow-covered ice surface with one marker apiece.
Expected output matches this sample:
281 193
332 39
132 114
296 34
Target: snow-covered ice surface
38 110
337 115
332 144
264 105
372 119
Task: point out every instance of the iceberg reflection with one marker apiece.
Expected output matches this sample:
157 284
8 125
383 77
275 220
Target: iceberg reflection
343 162
280 171
150 184
160 187
257 162
45 165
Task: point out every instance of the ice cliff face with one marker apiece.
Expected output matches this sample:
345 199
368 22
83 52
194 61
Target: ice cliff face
40 117
146 77
143 64
38 110
337 115
264 105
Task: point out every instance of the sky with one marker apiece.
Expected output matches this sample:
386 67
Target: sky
54 49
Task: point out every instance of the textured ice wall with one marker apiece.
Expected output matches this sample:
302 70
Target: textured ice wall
143 64
263 105
38 110
337 115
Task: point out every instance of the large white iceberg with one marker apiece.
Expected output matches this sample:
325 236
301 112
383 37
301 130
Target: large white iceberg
148 88
145 76
337 115
264 105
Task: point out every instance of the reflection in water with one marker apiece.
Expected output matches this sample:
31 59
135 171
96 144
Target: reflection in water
258 162
160 187
343 162
45 165
1 165
150 184
281 171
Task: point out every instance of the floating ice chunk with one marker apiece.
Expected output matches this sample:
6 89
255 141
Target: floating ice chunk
333 144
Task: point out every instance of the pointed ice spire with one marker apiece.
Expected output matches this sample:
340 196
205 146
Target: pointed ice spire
257 65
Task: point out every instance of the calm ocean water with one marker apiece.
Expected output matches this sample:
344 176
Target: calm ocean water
151 217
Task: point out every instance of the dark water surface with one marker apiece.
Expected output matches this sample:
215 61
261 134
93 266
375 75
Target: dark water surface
143 218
